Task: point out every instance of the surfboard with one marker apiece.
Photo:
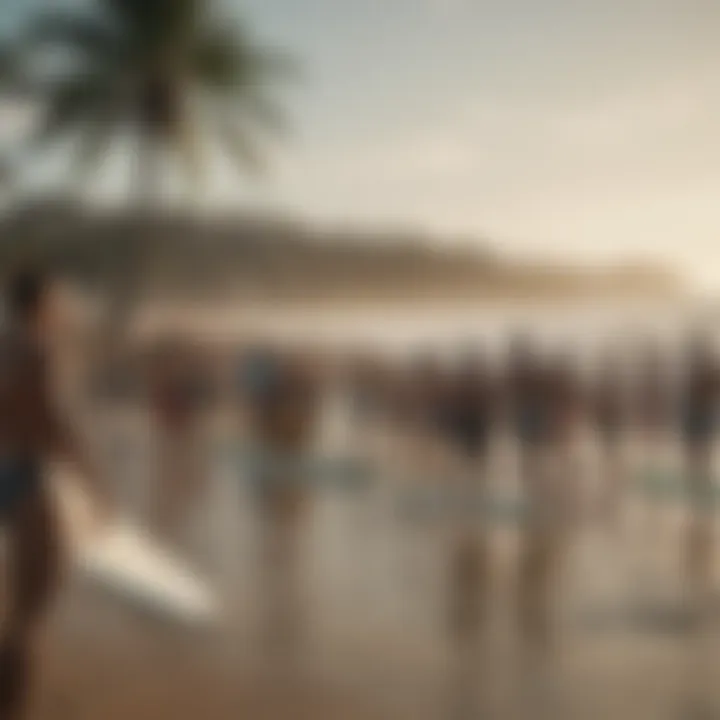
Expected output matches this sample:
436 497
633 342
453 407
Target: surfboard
128 562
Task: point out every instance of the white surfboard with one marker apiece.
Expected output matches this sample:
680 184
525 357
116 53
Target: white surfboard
128 562
125 560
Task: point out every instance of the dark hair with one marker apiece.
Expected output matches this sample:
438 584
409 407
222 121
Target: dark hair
24 292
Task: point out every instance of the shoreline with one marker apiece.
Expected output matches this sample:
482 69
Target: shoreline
390 323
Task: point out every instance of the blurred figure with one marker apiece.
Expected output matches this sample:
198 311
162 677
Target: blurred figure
551 493
419 398
525 400
468 412
653 404
699 409
524 405
284 423
370 401
31 431
609 421
256 368
653 411
177 394
384 430
468 415
283 417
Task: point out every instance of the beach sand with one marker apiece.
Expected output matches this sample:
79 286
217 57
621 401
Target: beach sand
352 622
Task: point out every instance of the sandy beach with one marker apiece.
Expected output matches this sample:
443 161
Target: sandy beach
355 623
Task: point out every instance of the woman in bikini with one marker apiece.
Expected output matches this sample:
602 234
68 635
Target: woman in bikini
32 431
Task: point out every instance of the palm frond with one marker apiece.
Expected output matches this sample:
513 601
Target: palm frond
90 35
94 139
14 75
69 103
156 24
140 62
134 14
227 60
8 63
216 61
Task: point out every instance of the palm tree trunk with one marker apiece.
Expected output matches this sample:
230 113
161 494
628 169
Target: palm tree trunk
126 280
129 278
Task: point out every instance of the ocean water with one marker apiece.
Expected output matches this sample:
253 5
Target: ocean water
445 328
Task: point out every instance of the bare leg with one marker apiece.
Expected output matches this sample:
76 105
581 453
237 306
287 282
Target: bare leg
35 561
542 552
613 482
699 540
164 495
653 449
178 480
283 512
469 586
537 573
533 557
15 679
34 578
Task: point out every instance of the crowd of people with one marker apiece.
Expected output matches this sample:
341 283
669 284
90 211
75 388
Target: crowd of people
441 416
550 405
432 414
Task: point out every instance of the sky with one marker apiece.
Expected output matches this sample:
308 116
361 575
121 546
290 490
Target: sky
585 130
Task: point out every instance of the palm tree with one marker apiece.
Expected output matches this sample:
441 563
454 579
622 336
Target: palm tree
14 88
168 71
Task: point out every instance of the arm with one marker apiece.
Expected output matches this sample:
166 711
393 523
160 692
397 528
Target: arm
59 435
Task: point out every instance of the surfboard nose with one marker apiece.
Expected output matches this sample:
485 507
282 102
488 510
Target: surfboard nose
131 565
126 561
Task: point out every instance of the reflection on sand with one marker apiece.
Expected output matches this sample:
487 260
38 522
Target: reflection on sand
340 607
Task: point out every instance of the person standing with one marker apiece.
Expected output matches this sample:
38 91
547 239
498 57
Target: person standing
33 430
176 397
284 408
551 495
468 412
699 399
609 412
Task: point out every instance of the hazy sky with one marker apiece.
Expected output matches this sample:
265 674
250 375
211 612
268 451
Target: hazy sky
581 127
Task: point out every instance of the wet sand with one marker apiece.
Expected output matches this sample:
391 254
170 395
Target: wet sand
354 623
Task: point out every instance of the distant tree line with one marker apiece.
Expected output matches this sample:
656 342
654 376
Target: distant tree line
260 258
